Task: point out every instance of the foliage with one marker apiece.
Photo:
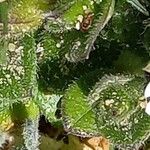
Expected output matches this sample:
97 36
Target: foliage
77 62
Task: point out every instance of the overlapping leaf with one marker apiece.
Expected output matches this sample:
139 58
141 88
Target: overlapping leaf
77 114
81 47
111 109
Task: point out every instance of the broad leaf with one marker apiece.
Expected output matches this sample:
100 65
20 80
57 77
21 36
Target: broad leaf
111 108
77 114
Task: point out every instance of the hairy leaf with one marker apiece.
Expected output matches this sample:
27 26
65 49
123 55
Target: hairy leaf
18 76
111 108
24 16
48 106
118 110
77 114
81 47
138 6
31 134
71 15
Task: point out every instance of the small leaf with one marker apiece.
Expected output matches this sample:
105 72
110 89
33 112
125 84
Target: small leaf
107 12
77 114
48 106
81 48
138 6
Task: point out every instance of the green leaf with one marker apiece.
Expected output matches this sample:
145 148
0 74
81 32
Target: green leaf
117 109
48 106
77 114
24 16
18 76
138 6
71 15
4 7
111 109
22 111
3 48
129 62
83 44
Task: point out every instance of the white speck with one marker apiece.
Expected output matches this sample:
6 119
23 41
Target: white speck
92 2
80 18
147 91
68 27
17 78
117 97
11 47
58 45
78 26
78 43
39 48
84 7
24 30
19 49
108 102
114 93
123 103
143 105
7 76
62 41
